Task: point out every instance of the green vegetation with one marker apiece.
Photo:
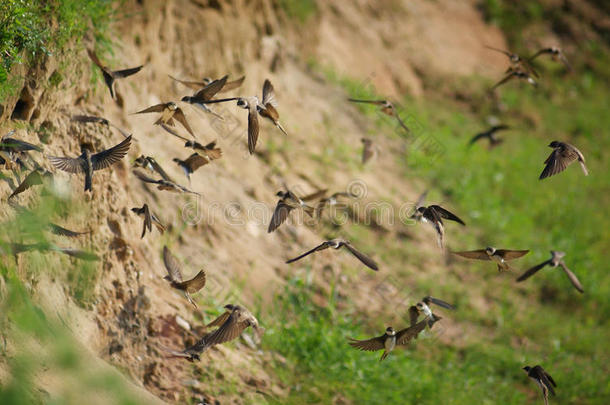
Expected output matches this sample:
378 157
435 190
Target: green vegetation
499 195
300 10
30 29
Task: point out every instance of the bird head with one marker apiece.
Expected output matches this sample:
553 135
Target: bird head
527 369
557 254
231 307
172 106
207 80
186 99
176 160
243 103
281 194
136 210
490 250
554 144
390 331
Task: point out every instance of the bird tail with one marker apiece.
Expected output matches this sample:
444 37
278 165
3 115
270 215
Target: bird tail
384 355
584 168
88 181
281 128
503 267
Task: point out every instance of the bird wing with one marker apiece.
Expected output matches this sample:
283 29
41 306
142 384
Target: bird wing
179 116
421 199
222 318
145 178
157 168
438 302
401 122
79 254
361 256
32 179
228 331
540 52
369 345
511 254
572 277
446 214
497 128
477 137
367 152
147 220
233 84
474 254
315 195
119 74
504 80
95 59
554 165
499 50
192 84
104 159
413 315
211 89
377 102
269 95
405 335
172 265
59 230
530 272
89 118
252 128
70 165
196 283
279 215
154 108
321 246
195 161
173 132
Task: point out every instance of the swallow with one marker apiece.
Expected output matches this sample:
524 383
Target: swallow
516 61
562 156
9 144
88 163
417 214
556 54
149 219
35 178
174 276
110 76
267 108
232 324
555 260
287 202
389 340
434 214
61 231
228 86
385 107
337 244
169 111
150 163
85 119
192 163
369 150
162 184
210 150
500 256
515 74
423 307
542 379
205 94
490 135
331 201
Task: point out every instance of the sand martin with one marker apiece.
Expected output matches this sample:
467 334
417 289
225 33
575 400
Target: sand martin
389 340
490 135
149 219
500 256
385 107
174 276
162 184
542 379
562 156
288 201
169 111
111 75
434 214
337 244
555 260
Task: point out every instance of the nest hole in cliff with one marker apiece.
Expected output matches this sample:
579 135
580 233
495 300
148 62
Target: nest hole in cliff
24 105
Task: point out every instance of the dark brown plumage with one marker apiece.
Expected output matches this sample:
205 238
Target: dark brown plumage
174 276
336 244
555 260
110 76
561 157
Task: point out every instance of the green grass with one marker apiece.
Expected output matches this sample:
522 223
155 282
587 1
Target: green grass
499 195
31 29
299 10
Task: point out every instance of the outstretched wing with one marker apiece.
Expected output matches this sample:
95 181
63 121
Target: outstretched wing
530 272
572 277
70 165
104 159
119 74
321 246
279 216
511 254
361 256
179 116
269 94
473 254
446 214
211 89
369 345
172 265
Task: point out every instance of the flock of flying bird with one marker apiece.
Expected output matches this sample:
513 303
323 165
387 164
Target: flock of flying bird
236 319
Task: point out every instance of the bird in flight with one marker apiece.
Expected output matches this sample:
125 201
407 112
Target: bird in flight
85 119
369 150
163 184
385 107
434 214
174 276
169 111
210 150
288 201
542 379
337 244
192 163
88 163
499 256
389 340
556 54
149 219
490 135
423 307
561 157
110 76
555 260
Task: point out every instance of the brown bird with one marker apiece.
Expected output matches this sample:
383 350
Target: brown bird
192 163
150 163
434 214
516 62
206 94
556 54
35 178
543 380
385 107
515 74
162 184
288 201
110 76
423 307
174 276
490 135
88 163
500 256
85 119
169 111
336 244
196 85
389 340
232 324
149 219
555 260
210 150
368 150
562 156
